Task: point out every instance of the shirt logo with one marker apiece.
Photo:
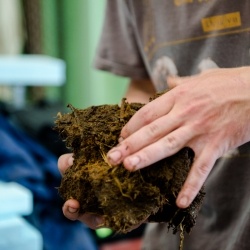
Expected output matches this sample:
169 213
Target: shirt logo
221 22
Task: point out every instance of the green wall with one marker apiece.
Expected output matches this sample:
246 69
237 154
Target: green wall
71 31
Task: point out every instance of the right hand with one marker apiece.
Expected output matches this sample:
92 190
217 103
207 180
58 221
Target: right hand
208 112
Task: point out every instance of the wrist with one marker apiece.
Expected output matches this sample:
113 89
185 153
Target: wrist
244 75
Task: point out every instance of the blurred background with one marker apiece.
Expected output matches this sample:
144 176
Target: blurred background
63 29
46 54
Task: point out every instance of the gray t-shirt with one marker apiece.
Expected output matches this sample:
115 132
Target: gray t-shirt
156 38
153 38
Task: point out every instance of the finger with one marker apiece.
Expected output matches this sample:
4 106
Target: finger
148 113
173 81
165 147
149 134
71 211
71 208
199 172
64 162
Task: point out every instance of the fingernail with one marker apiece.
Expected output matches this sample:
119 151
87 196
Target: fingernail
133 162
183 202
120 139
114 157
72 210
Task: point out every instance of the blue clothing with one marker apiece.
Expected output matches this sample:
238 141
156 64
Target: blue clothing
26 162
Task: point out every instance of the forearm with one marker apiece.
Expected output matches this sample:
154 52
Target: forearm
140 91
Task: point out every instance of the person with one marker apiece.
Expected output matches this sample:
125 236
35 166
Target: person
200 51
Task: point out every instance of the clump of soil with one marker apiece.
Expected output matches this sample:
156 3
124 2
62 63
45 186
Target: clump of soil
124 198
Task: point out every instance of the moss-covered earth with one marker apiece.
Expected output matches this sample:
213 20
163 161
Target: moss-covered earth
125 199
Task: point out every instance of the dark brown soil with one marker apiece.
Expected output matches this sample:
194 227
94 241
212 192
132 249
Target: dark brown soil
124 198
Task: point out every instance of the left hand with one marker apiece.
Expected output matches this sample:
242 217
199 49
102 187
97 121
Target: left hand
209 113
71 207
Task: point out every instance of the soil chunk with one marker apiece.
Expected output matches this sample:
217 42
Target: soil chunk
125 199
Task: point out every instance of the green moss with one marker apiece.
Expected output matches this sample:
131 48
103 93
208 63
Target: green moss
125 199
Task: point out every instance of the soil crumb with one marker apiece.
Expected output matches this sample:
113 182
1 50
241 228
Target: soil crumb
125 199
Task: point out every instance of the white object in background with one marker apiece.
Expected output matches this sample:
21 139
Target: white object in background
15 200
30 70
15 232
11 15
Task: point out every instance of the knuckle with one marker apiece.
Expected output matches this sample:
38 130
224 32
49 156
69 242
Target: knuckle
203 170
171 142
125 147
147 115
190 109
153 129
181 91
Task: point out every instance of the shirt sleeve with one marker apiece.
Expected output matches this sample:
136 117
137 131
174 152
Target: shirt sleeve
118 51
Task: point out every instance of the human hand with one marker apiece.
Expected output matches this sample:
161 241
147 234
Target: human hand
208 112
71 206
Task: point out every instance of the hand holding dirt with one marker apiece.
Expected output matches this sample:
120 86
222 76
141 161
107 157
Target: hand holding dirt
208 112
123 198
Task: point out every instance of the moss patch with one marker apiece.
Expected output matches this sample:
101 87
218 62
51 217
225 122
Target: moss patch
124 198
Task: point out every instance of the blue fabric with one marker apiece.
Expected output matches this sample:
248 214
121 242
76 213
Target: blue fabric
26 162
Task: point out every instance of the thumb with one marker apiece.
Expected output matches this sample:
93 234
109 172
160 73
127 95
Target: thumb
174 81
